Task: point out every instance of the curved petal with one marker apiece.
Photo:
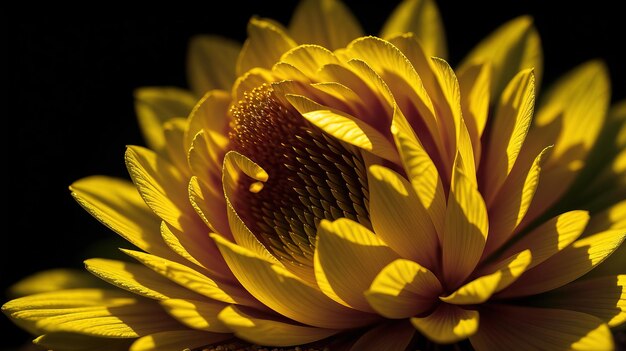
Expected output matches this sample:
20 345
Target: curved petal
117 204
447 324
165 190
474 83
155 106
267 42
200 315
284 292
509 129
446 95
256 77
210 114
505 327
567 265
308 59
234 165
421 171
481 289
347 258
194 280
136 279
174 132
399 219
403 289
422 18
211 63
261 329
465 229
95 312
177 340
344 127
511 48
512 202
328 23
210 207
551 237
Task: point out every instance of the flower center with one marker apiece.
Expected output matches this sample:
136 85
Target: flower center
312 176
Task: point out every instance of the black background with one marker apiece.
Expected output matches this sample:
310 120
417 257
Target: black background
70 109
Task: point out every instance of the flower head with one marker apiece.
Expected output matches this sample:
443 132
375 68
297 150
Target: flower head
350 191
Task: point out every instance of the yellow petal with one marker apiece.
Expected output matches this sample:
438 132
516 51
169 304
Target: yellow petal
263 329
551 237
474 83
200 315
403 289
177 340
53 279
377 85
328 23
368 94
447 324
481 289
117 204
133 321
465 229
399 82
567 265
510 206
308 59
392 336
267 42
211 115
95 312
165 191
399 219
192 247
284 292
576 108
154 106
447 97
603 297
194 280
158 182
505 327
509 129
209 206
205 158
136 279
344 127
342 94
258 76
78 342
234 165
509 49
347 258
174 132
421 170
422 18
613 217
211 63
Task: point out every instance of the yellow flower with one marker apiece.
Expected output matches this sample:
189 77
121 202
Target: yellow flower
357 193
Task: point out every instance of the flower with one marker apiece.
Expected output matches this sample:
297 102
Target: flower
357 192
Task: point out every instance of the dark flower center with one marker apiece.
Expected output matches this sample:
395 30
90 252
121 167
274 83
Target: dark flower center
312 176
